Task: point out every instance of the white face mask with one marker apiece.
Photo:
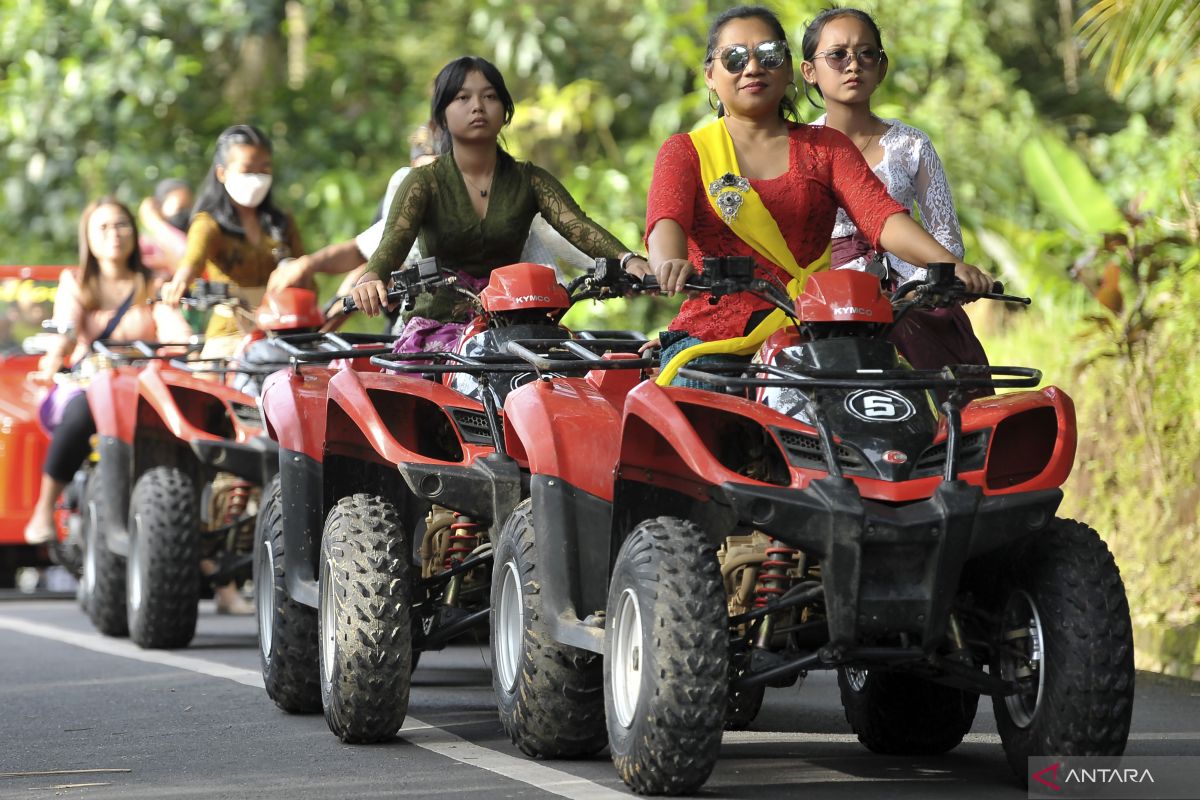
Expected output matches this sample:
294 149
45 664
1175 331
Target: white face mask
247 188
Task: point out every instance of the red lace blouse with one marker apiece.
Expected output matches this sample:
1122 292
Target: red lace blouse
825 172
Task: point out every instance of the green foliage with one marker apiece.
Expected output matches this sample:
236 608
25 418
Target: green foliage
1137 38
1065 188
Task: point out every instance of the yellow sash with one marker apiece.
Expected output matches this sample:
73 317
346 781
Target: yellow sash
754 225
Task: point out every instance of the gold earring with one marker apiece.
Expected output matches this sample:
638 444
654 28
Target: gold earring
713 100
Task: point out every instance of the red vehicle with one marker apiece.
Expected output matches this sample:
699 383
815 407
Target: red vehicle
819 510
181 463
26 301
375 542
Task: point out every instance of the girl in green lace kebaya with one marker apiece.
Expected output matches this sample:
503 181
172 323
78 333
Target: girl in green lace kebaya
471 208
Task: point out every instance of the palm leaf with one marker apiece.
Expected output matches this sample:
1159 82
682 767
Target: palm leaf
1066 189
1139 37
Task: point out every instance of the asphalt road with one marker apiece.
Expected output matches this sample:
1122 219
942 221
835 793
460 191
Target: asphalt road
112 721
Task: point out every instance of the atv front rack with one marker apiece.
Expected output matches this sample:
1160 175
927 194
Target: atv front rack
321 348
117 351
960 376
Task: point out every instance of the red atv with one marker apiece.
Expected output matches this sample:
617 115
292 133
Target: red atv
819 511
26 302
375 541
181 460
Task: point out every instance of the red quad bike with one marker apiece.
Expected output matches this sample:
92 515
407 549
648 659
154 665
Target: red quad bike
375 541
26 302
823 511
181 460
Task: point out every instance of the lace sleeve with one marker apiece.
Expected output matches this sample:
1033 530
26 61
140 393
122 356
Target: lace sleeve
404 221
674 185
858 189
935 203
564 215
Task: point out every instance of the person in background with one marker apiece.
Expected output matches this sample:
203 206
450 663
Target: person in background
163 219
351 256
473 206
844 62
237 233
106 297
754 182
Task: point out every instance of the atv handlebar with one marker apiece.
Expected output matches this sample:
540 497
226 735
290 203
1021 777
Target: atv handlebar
409 283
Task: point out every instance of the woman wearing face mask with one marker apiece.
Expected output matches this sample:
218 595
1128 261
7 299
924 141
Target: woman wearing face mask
237 233
754 182
472 207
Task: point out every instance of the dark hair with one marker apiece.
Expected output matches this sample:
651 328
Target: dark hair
214 200
89 266
812 35
451 79
163 188
787 106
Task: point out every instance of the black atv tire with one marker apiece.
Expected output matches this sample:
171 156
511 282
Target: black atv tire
897 714
1085 701
550 695
364 619
287 630
163 584
666 658
103 579
742 707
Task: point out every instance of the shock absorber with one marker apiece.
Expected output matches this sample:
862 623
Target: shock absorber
773 581
463 539
237 499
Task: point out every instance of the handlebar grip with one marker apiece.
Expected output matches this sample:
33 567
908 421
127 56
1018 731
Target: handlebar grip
997 287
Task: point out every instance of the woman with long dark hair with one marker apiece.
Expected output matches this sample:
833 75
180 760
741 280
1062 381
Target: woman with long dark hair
105 297
472 207
237 233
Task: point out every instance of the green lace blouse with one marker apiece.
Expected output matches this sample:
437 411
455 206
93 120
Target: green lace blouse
432 205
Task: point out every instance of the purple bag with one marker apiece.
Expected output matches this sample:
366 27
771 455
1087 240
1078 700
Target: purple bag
50 410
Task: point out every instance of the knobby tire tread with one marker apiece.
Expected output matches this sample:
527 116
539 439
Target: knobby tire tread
675 739
369 552
164 498
291 673
557 708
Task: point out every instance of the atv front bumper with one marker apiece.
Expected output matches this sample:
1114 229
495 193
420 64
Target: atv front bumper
889 569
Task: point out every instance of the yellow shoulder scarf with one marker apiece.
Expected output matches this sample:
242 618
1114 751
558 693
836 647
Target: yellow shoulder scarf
735 201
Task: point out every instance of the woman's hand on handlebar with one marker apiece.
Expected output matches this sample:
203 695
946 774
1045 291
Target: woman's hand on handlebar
173 290
672 274
370 295
975 280
638 267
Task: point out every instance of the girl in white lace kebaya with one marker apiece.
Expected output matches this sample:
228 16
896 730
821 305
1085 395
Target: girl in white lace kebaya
844 62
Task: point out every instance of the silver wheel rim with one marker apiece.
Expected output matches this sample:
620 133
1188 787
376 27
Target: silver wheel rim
627 658
511 628
264 596
328 634
135 565
91 533
1029 637
857 678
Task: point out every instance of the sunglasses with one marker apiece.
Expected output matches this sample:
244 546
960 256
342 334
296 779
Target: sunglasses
735 57
840 57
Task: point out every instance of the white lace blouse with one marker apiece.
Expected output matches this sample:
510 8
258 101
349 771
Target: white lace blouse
911 171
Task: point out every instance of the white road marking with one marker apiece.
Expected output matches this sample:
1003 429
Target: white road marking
421 734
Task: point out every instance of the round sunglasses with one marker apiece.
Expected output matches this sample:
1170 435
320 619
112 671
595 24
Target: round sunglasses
735 57
839 58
